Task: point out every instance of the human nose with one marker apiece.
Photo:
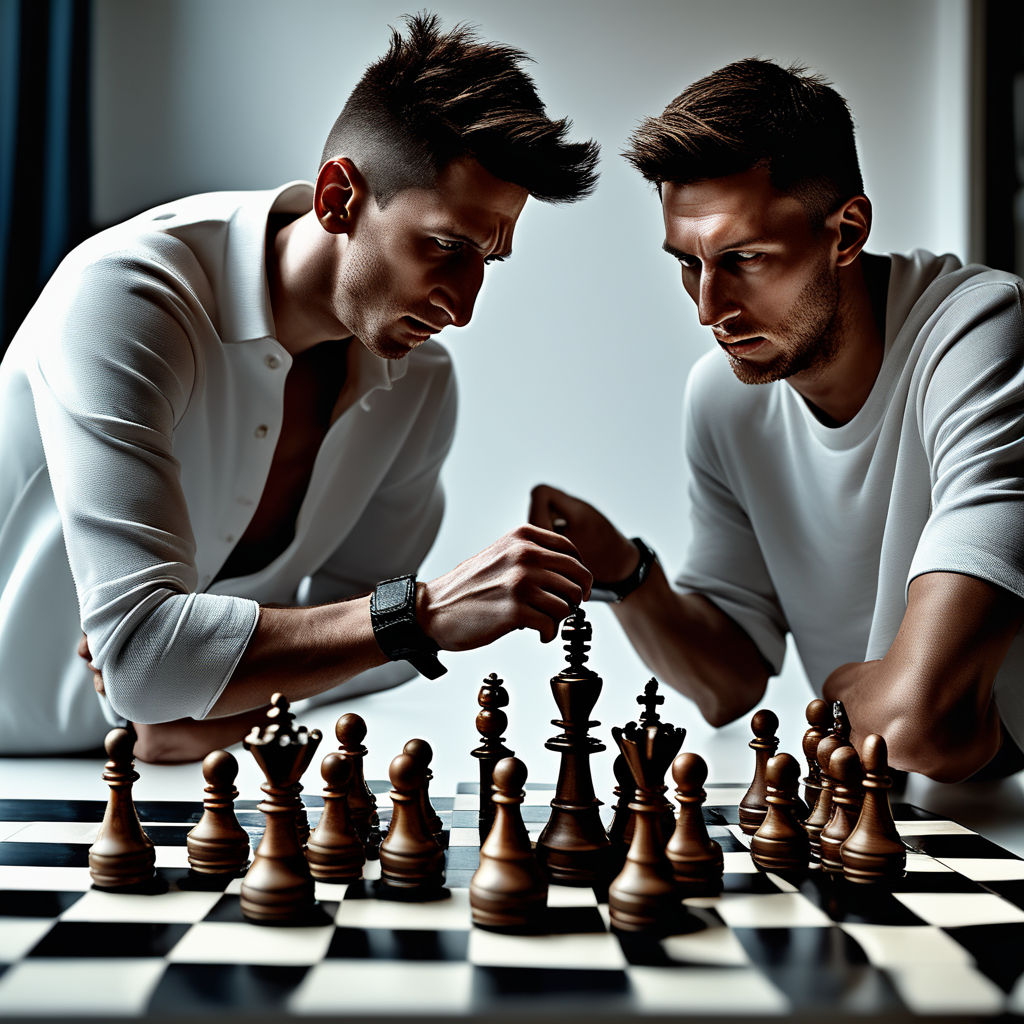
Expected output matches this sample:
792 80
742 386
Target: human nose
455 295
714 304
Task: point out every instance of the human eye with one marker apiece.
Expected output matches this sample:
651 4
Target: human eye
688 262
448 244
747 258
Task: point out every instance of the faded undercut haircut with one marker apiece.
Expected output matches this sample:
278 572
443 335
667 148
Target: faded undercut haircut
756 113
434 98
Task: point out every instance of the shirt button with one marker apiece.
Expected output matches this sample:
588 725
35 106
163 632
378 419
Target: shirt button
272 361
261 430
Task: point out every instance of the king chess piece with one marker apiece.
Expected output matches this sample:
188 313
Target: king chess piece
278 887
218 845
573 846
491 722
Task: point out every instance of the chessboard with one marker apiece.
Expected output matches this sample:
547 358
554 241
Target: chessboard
944 943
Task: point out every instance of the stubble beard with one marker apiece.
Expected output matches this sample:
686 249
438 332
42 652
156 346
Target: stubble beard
367 313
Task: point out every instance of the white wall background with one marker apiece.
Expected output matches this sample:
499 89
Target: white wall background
573 367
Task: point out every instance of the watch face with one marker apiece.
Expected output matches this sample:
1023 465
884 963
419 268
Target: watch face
391 596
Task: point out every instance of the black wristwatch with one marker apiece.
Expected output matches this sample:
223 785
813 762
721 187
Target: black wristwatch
615 592
399 635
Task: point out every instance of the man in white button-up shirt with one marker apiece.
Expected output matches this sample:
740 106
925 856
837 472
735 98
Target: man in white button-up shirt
224 420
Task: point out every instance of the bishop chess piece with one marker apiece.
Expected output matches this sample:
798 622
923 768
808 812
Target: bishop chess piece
822 813
781 843
278 887
508 891
218 845
491 722
335 852
350 731
696 859
424 754
122 857
874 852
642 896
573 846
411 860
819 719
754 805
846 772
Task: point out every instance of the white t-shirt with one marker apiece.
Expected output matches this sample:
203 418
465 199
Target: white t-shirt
819 530
140 405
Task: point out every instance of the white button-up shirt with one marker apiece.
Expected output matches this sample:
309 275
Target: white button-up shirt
140 406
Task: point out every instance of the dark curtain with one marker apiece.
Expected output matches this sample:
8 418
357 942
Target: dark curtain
44 146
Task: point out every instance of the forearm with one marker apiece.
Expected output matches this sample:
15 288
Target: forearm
687 642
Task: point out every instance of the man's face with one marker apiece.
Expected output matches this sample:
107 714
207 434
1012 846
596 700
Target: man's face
416 266
762 278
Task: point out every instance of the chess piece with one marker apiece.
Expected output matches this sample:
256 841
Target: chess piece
650 700
350 730
696 859
845 771
278 887
822 813
411 860
754 805
218 845
122 857
819 719
840 722
573 846
781 844
422 752
491 722
874 852
620 831
642 896
508 890
335 852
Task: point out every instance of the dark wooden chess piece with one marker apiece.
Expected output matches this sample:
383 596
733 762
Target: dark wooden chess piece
696 859
350 731
642 896
754 805
422 752
335 852
123 856
620 831
218 845
573 846
781 843
874 852
278 887
822 812
411 860
649 700
508 892
819 719
491 722
846 772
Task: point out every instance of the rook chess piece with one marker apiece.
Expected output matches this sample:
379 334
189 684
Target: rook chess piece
845 771
781 844
218 845
696 859
122 857
754 805
335 852
874 851
819 719
491 722
350 730
508 890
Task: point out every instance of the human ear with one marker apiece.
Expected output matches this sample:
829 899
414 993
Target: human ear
852 224
338 195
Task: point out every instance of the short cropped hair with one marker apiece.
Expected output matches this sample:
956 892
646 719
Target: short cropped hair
434 98
755 113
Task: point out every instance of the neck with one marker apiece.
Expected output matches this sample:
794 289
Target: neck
838 390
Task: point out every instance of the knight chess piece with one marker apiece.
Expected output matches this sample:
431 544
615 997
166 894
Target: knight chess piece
508 891
696 859
754 805
424 754
350 730
573 846
846 772
819 719
335 852
781 844
218 845
874 852
123 856
491 722
278 887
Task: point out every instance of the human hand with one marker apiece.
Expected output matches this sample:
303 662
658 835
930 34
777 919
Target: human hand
603 549
528 579
97 675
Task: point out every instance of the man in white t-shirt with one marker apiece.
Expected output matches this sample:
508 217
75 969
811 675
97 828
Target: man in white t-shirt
224 422
856 459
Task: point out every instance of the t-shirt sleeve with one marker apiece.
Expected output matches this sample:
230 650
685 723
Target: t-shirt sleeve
724 561
970 411
113 376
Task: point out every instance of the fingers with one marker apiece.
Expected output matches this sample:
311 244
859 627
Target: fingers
83 648
84 653
547 508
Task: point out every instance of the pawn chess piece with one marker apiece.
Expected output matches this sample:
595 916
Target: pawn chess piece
278 887
508 891
491 722
822 812
122 857
218 845
845 771
335 852
781 843
696 859
874 852
819 719
754 805
411 860
350 730
421 750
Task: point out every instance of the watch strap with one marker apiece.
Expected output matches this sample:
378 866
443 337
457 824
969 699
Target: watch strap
620 589
396 629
